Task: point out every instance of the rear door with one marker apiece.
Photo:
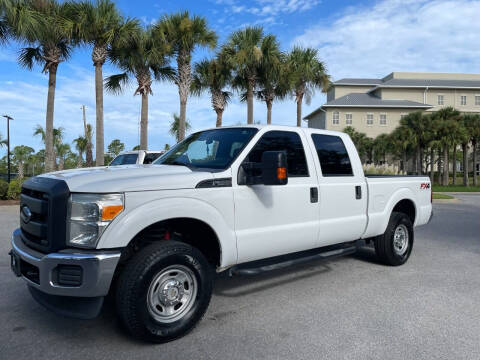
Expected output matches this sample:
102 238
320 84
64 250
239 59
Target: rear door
280 219
342 186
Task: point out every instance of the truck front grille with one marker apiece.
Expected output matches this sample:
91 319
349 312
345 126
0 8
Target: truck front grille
43 209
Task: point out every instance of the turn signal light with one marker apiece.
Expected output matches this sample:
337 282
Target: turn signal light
111 211
281 173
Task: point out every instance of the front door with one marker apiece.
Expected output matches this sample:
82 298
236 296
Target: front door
279 219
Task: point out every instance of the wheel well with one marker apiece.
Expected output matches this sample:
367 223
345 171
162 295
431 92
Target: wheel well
191 231
407 207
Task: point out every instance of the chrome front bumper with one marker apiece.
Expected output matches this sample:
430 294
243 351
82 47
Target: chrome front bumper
97 267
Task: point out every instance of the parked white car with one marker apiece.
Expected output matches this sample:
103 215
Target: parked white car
136 157
244 199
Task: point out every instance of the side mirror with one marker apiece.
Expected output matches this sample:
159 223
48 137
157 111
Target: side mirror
274 168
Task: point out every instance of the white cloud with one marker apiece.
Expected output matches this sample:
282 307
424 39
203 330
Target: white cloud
399 35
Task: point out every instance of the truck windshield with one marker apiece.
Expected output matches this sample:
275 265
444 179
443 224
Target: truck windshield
125 159
209 149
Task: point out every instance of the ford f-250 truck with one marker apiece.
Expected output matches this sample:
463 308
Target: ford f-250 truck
243 199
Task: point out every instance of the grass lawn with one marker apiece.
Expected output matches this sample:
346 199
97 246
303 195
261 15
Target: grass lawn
442 196
455 188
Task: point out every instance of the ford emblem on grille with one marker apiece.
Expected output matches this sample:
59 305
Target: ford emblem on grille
26 214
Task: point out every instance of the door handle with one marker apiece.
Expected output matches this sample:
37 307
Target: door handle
358 192
313 194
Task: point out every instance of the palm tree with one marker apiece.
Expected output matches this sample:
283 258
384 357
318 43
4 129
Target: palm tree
447 132
81 146
401 139
271 80
473 128
143 57
57 139
183 34
381 146
101 25
89 148
306 73
21 154
243 52
63 151
116 147
5 5
175 127
41 24
213 75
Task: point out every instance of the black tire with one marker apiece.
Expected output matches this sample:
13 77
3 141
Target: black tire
384 244
134 286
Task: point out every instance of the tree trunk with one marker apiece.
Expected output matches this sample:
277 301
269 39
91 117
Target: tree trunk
465 164
439 167
475 180
404 160
250 101
20 170
219 117
144 123
299 110
432 164
454 161
184 82
80 160
99 143
49 151
181 123
445 166
269 112
419 161
60 163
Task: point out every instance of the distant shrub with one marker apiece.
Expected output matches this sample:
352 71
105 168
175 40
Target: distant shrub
381 170
14 189
3 189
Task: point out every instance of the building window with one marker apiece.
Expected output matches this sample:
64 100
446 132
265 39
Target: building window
440 100
477 100
402 116
348 119
383 119
370 119
336 118
463 100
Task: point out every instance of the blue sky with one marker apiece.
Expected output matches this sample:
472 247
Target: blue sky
354 38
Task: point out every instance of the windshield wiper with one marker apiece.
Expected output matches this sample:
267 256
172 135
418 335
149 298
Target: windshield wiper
177 163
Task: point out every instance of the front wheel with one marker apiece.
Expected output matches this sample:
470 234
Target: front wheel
395 245
164 291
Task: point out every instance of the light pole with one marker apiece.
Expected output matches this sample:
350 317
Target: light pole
8 144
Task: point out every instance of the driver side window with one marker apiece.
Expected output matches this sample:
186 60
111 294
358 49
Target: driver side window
287 141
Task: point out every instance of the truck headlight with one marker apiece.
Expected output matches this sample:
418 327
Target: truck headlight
89 215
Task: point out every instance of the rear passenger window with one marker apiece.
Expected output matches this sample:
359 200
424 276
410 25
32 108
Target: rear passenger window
333 155
287 141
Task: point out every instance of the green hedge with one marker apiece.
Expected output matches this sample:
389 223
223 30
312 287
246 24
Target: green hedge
14 189
3 189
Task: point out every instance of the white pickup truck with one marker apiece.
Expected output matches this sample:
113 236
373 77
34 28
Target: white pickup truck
244 199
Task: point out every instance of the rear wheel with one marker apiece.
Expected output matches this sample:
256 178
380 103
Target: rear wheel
395 245
164 291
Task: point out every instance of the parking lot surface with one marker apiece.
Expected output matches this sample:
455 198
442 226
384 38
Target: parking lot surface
346 308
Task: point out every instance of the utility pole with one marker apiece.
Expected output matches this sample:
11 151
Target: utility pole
8 144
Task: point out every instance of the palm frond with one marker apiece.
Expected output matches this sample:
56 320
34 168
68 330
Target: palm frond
116 83
30 56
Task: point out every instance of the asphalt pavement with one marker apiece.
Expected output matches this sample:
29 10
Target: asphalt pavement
346 308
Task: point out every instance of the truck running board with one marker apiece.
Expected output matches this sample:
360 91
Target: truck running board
284 261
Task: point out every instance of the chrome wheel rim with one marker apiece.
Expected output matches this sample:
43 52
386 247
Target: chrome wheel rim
172 293
400 240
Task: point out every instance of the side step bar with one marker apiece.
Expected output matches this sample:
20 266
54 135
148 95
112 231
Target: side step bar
284 261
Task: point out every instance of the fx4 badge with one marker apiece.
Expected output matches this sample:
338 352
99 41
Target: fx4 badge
424 186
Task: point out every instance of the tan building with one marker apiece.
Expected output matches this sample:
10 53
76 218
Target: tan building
375 106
